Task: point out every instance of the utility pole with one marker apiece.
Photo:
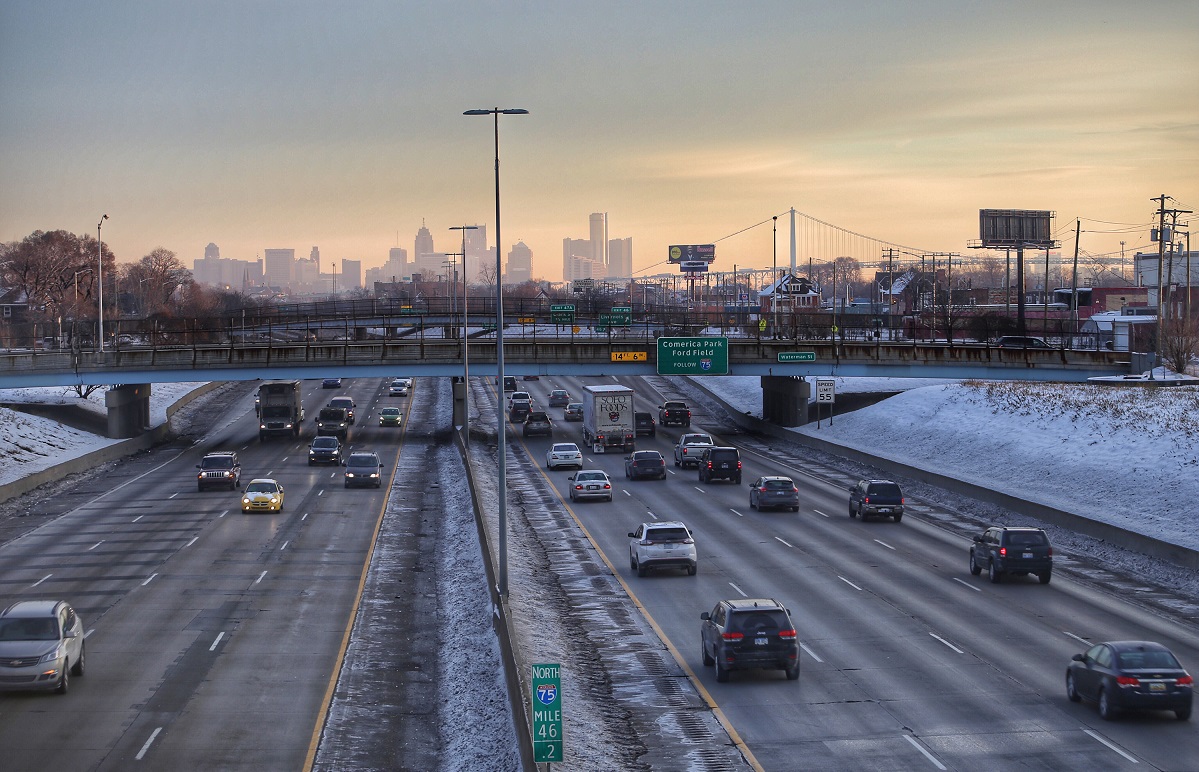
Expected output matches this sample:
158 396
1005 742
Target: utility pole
1074 280
1161 266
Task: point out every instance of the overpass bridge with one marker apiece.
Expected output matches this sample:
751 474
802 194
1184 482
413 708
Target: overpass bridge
381 345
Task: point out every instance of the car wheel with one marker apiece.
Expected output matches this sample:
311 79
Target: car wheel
737 480
1107 711
861 512
662 476
898 518
1183 714
993 573
78 667
1072 689
632 563
676 462
64 681
794 509
692 570
609 498
1045 576
722 673
975 568
792 672
708 661
852 513
641 570
752 505
310 462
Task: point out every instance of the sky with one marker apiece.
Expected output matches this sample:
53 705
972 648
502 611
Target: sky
292 124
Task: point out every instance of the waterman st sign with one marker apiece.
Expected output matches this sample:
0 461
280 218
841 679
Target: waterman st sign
693 356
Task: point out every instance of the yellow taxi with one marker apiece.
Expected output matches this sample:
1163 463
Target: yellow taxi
262 495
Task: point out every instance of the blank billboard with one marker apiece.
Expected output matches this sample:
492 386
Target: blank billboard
1015 228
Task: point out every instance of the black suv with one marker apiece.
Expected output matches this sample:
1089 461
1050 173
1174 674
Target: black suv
363 469
720 464
876 497
1015 551
219 470
333 421
747 633
643 425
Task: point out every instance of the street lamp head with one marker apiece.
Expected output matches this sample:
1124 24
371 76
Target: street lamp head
496 110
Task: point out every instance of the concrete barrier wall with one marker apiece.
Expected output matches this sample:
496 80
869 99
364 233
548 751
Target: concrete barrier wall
108 453
1146 545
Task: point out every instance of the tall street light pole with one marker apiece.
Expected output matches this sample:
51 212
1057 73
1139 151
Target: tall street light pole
501 423
100 278
466 336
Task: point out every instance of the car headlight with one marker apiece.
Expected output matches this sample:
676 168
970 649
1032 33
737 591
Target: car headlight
374 474
245 501
261 426
53 655
274 500
286 426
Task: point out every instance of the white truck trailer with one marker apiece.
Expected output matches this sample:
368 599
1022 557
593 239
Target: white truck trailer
608 418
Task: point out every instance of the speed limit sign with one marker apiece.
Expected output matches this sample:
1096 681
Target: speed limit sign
826 391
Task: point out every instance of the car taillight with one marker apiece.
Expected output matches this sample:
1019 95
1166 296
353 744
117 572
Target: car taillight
1003 552
1186 680
692 541
762 489
1050 552
1127 681
732 636
901 499
578 487
787 635
709 464
607 486
794 490
738 464
865 499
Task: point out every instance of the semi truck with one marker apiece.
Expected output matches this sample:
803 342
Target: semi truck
608 418
280 409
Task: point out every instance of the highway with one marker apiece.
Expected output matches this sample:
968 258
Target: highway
212 637
908 661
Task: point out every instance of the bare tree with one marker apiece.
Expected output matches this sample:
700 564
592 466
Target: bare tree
47 265
1180 343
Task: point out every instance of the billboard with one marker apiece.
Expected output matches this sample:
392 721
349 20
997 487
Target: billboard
688 253
1015 228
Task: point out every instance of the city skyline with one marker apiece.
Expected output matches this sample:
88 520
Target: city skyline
255 129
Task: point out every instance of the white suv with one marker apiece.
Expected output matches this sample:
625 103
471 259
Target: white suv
662 545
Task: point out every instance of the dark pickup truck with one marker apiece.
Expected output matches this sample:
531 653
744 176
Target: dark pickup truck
674 413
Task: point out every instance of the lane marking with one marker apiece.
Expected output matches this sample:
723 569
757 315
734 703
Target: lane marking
966 584
219 636
139 517
89 632
173 495
851 584
701 490
817 511
921 748
738 589
792 546
146 747
888 546
651 515
811 653
193 541
1076 637
1103 740
260 576
149 578
947 643
627 493
97 544
305 517
321 492
284 546
735 512
223 513
39 581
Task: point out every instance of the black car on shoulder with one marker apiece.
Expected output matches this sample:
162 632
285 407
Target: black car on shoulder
1130 675
1013 552
719 463
748 633
876 497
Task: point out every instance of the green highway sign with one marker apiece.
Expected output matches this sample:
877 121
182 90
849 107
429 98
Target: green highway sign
562 314
797 356
693 356
568 307
547 713
622 315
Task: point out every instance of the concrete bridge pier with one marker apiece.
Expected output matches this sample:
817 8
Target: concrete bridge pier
785 400
128 410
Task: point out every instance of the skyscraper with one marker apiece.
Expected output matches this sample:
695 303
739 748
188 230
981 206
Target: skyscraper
620 258
351 275
277 266
588 258
520 264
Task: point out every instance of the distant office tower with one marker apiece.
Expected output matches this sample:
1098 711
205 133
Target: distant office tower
278 266
216 271
305 275
477 252
212 251
599 235
396 265
351 275
424 243
520 264
315 256
620 258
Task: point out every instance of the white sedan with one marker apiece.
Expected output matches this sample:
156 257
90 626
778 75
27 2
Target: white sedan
563 454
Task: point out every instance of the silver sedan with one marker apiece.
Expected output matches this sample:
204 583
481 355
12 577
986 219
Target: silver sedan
590 484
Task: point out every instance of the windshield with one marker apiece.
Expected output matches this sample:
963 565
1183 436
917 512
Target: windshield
262 487
697 439
325 442
1152 660
276 411
1026 539
758 621
332 414
216 463
590 477
33 629
371 461
566 449
647 455
673 535
779 485
391 411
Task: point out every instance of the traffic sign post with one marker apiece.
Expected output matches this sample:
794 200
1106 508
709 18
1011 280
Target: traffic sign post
826 394
798 356
547 713
693 356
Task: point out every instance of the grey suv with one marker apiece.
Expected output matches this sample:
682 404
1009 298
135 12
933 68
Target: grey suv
1013 551
219 470
746 633
363 469
41 646
718 463
774 492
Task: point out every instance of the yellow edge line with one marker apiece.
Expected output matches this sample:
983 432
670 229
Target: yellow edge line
678 658
314 741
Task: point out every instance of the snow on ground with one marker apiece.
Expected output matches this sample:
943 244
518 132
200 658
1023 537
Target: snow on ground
30 443
1127 456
